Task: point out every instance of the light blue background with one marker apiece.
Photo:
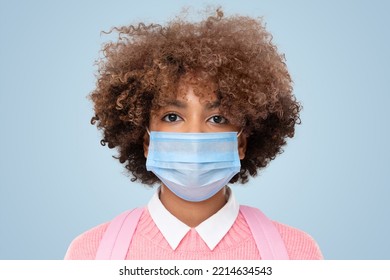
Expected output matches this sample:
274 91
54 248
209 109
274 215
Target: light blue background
56 181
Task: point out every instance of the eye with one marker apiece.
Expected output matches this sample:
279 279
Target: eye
171 117
218 119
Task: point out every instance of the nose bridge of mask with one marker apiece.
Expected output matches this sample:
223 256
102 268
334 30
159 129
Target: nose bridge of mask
238 134
193 147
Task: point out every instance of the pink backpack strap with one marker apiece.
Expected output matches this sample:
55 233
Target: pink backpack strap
116 240
268 240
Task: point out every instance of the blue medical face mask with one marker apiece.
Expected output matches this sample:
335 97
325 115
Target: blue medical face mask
194 166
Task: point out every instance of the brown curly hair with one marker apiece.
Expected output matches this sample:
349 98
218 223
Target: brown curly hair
142 69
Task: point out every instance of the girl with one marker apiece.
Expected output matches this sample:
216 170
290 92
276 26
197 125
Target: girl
193 107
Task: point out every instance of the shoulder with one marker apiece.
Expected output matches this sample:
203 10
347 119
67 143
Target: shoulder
84 246
299 244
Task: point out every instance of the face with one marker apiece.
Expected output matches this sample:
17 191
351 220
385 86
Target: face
192 114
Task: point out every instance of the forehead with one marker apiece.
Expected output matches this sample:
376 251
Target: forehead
191 91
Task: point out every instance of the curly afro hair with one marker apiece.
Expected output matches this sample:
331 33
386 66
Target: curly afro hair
145 65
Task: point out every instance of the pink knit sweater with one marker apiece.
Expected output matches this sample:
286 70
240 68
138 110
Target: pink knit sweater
149 244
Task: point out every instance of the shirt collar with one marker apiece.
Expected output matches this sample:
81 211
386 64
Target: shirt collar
174 230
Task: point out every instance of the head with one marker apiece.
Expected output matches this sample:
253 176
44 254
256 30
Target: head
222 69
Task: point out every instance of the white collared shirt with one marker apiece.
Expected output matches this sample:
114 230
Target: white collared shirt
174 230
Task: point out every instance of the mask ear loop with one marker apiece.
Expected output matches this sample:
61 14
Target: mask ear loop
147 130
